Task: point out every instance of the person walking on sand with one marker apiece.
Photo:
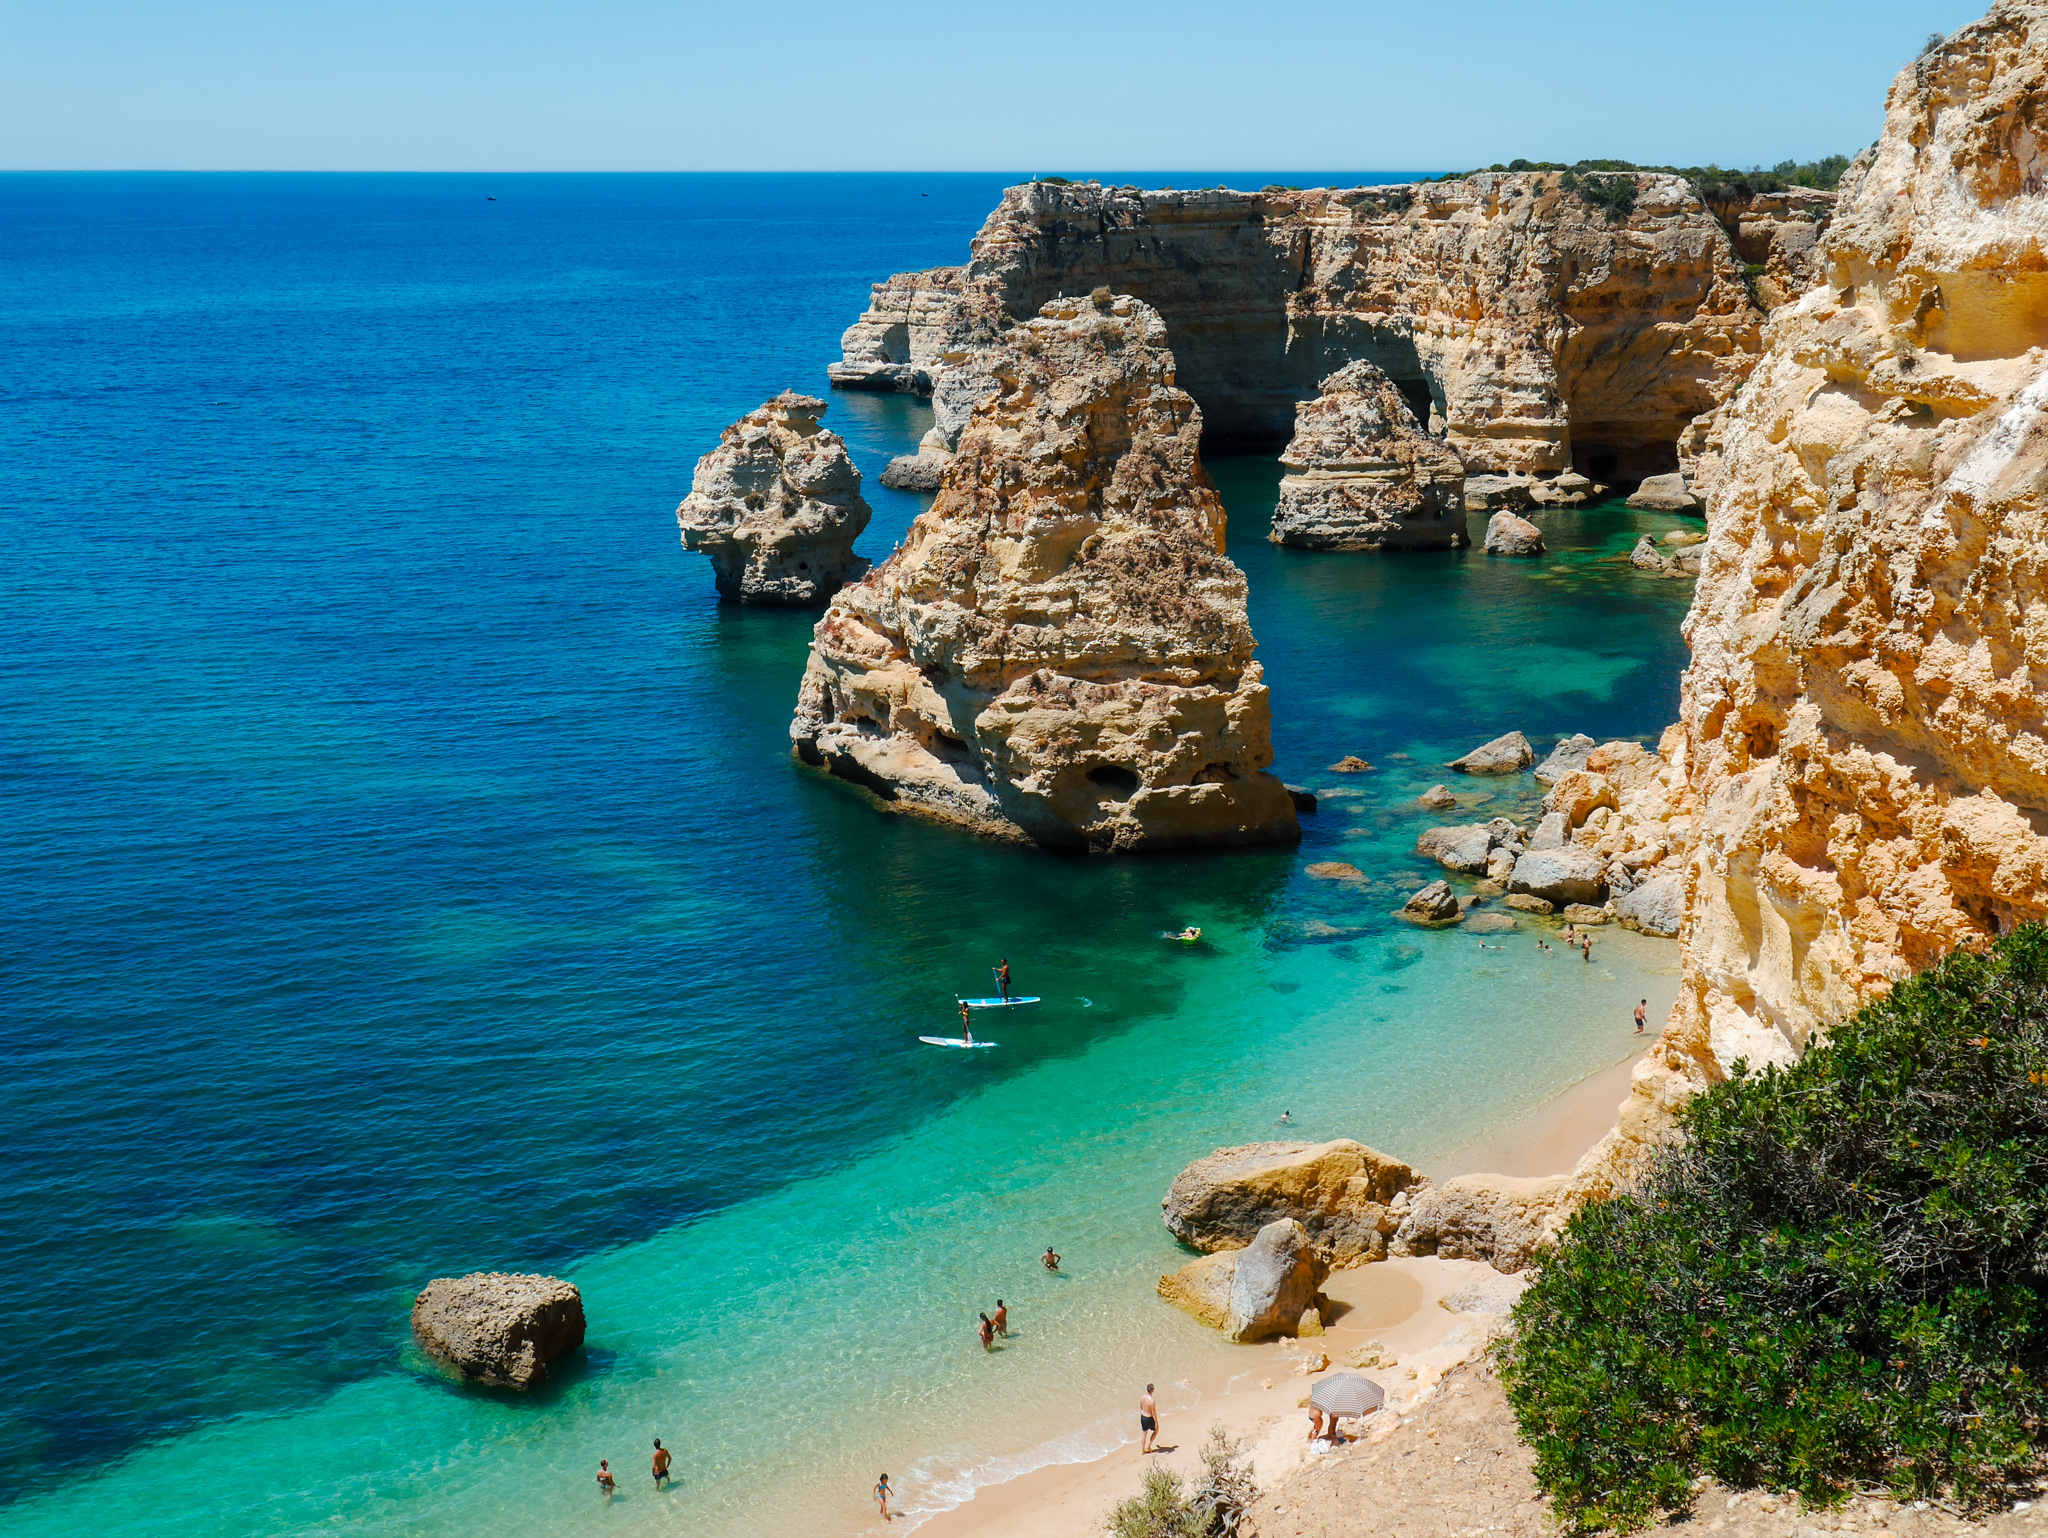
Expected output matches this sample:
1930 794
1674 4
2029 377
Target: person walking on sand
661 1463
882 1494
1050 1260
1002 1319
1148 1421
605 1482
1641 1010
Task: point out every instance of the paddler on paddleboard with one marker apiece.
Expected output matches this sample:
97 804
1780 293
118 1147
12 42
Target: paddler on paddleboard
1003 979
966 1030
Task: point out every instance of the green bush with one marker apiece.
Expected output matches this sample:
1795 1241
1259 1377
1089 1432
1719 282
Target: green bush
1838 1279
1215 1508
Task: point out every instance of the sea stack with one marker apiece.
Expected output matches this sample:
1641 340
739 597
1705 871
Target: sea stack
1059 653
498 1328
1363 475
777 507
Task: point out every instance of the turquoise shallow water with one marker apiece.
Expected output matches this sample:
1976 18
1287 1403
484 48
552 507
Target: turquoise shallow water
410 877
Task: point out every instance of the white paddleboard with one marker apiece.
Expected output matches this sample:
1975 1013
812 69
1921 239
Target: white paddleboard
998 1003
953 1041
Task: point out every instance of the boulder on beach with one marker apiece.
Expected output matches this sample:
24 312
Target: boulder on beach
499 1328
1500 1219
1509 534
1569 754
1655 906
1559 876
1257 1292
1503 755
1340 1192
1434 904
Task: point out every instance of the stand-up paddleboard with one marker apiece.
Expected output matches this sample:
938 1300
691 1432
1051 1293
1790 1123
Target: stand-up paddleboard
952 1041
998 1003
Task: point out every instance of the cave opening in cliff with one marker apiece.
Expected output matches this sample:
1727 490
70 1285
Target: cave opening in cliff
1622 453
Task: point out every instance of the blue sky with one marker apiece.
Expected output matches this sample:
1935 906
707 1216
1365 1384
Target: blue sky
1058 87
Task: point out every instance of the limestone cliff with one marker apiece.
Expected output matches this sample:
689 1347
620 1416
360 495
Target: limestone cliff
1867 707
1362 475
1059 650
1524 326
777 507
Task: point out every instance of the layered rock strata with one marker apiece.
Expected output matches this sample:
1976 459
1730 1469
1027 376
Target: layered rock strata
1059 652
777 507
1527 328
498 1328
1363 475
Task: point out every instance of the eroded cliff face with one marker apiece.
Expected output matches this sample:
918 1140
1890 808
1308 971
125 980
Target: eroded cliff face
1867 708
1059 651
1522 325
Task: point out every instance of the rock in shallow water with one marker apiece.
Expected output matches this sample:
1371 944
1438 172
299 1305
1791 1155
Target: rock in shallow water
1569 754
499 1328
1434 904
1363 475
1665 494
1504 755
777 507
1059 650
1507 534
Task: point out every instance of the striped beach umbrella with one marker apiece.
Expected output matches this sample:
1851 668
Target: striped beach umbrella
1346 1393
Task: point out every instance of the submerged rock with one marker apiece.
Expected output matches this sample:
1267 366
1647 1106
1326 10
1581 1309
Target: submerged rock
777 507
498 1328
1342 1193
1503 755
1363 475
1059 652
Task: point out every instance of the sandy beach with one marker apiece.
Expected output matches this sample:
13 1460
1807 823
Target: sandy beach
1394 1305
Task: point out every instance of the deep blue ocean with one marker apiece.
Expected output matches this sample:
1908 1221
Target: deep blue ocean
406 874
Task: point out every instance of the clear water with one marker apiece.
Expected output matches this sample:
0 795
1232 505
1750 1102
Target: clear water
406 875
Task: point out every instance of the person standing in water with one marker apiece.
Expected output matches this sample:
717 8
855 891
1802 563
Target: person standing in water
1002 1319
1286 1118
1148 1421
1049 1260
882 1494
988 1333
1641 1009
605 1482
1003 979
661 1463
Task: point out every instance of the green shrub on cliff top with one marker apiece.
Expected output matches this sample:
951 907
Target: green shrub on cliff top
1839 1279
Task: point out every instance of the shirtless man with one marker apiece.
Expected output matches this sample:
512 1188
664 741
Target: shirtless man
1002 1320
1003 978
1050 1261
1148 1421
661 1463
1641 1009
605 1482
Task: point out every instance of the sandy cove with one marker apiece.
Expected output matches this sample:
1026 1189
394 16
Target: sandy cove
1393 1302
